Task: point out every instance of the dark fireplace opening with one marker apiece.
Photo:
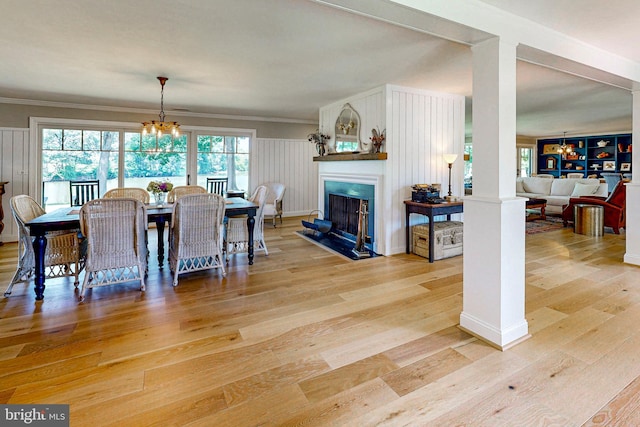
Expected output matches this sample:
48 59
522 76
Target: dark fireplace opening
344 214
352 232
342 207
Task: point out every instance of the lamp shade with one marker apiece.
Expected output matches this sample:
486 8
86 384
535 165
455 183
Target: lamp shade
450 158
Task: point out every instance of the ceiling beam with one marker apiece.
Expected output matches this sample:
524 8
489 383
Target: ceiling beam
472 21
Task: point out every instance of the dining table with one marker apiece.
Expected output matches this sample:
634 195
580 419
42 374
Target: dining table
68 218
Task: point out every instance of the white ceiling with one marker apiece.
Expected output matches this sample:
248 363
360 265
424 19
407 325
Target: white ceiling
287 58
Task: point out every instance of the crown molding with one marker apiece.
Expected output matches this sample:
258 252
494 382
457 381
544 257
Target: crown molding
55 104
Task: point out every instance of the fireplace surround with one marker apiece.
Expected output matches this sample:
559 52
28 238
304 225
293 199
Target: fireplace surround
341 207
340 197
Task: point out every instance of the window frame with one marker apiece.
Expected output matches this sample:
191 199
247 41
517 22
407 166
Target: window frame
198 131
37 124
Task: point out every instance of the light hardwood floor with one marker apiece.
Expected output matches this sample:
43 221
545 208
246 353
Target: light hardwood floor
305 337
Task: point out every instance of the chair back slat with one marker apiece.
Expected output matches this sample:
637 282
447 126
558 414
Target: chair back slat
217 185
81 192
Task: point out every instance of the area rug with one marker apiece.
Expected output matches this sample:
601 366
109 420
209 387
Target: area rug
542 226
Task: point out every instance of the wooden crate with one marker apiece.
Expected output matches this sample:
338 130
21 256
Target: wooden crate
447 241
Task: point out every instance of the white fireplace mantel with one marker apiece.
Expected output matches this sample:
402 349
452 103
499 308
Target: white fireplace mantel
371 175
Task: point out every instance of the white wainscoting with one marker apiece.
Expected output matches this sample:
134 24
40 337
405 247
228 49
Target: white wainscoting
272 160
289 161
421 127
14 167
369 105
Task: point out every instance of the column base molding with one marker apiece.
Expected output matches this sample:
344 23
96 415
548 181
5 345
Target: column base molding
500 339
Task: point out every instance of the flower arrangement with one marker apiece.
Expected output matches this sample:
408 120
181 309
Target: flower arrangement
377 138
320 140
156 187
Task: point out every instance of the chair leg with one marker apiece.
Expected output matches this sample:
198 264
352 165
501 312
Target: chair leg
142 272
21 275
7 292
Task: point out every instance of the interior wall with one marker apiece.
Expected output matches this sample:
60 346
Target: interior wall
369 105
290 162
280 153
17 116
421 126
14 167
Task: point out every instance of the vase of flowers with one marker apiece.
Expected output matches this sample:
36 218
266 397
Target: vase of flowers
159 189
320 140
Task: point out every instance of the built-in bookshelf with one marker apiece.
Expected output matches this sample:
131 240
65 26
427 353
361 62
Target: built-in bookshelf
588 155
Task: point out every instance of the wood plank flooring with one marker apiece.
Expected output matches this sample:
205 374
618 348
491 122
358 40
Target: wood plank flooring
306 337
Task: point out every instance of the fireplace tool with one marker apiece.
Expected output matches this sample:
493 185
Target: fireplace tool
361 250
318 226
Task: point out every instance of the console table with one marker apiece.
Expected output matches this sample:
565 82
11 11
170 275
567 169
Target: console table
2 184
431 211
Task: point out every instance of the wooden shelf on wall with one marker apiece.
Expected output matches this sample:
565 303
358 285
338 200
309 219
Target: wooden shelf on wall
341 157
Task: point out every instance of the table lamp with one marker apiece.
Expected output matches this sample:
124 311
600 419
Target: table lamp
450 158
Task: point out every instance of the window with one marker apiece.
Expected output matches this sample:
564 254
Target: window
468 167
118 155
88 154
524 161
149 158
76 155
221 156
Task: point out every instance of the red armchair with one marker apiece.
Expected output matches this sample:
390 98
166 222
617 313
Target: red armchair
614 207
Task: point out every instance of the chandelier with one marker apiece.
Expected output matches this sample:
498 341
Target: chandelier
564 149
159 127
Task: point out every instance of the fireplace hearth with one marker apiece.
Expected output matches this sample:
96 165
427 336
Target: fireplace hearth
337 244
352 233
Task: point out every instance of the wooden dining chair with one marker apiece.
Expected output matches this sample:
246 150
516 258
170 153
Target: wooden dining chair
81 192
217 185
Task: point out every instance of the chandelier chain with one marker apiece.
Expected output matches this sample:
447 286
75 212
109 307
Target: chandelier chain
157 128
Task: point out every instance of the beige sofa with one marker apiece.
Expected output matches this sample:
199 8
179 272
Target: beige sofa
557 192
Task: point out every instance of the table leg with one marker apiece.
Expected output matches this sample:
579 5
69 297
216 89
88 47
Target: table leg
39 248
542 214
160 230
251 221
406 229
431 233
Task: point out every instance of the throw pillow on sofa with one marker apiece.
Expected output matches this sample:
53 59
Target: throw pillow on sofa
584 189
563 187
537 185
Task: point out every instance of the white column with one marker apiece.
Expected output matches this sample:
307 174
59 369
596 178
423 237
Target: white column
632 230
494 218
